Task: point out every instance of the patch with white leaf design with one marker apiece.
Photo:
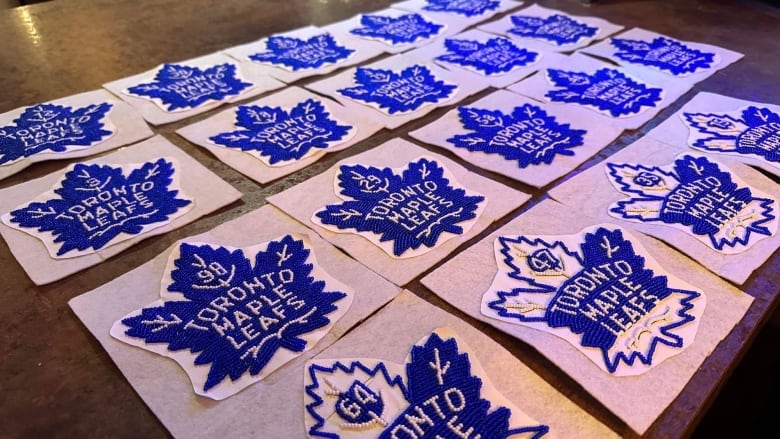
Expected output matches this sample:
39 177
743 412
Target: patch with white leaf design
752 131
437 393
398 92
699 196
600 291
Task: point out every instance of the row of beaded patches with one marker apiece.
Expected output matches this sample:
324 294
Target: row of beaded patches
98 205
435 394
179 87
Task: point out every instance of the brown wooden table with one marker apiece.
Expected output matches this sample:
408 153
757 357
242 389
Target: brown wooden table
57 381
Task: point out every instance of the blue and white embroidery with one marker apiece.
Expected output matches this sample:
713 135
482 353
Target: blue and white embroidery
54 128
411 210
469 8
607 90
179 87
696 195
298 54
495 56
280 136
235 314
752 131
98 205
556 29
402 92
603 292
396 31
440 397
664 54
528 135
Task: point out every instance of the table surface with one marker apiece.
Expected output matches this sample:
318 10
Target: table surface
55 378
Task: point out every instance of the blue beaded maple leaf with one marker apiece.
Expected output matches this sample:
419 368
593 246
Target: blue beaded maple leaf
299 54
557 29
469 8
398 92
237 316
283 136
51 127
97 203
754 131
664 54
493 57
607 90
181 87
696 194
438 371
424 206
528 135
404 29
610 285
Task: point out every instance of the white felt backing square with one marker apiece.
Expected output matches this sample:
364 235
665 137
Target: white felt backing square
390 334
450 27
303 200
166 389
638 400
504 25
200 132
676 131
597 137
456 10
467 85
591 193
155 115
128 126
538 85
362 51
430 52
607 49
205 188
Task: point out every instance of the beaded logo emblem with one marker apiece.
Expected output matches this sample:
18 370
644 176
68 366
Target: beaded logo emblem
664 54
436 395
401 213
397 31
698 196
528 135
607 91
241 319
556 29
297 54
751 131
596 291
278 137
494 57
46 128
469 8
99 205
402 92
178 87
